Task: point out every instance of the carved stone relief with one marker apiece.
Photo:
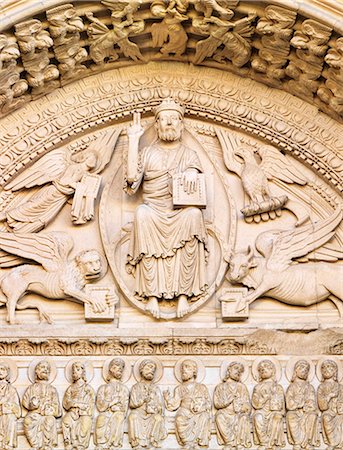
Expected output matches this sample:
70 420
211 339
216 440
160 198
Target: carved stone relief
43 407
224 260
280 45
146 420
78 402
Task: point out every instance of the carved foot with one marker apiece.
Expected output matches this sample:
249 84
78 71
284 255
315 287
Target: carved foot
44 317
153 308
182 306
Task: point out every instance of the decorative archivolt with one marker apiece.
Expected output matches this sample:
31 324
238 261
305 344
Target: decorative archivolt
296 49
274 116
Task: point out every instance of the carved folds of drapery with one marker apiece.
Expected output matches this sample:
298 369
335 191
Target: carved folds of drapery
261 414
274 44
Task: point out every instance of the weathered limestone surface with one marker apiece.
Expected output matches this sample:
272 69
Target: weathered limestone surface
171 238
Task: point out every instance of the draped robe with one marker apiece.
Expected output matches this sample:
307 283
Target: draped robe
112 401
168 247
40 421
78 401
10 411
232 419
268 401
146 421
193 418
330 402
302 415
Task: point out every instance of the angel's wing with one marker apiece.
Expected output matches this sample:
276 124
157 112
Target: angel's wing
51 250
97 31
205 49
275 165
159 34
229 145
48 168
103 146
244 27
281 247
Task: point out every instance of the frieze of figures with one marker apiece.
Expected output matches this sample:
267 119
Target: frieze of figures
273 44
264 402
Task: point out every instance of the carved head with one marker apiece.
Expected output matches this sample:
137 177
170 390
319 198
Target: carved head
234 371
42 370
5 372
266 369
240 264
78 371
89 262
301 370
329 370
169 120
116 369
147 369
189 370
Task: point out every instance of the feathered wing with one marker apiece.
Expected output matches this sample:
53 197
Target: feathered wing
51 250
300 241
103 146
229 144
48 168
205 49
275 165
159 34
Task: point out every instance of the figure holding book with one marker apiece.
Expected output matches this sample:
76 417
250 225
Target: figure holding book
168 245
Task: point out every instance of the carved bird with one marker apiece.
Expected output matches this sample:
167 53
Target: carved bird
255 175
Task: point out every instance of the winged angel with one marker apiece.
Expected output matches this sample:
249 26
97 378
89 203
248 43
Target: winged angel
60 174
55 276
103 39
256 176
280 272
226 39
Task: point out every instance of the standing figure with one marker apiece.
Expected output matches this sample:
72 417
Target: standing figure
10 410
268 401
146 420
43 405
330 402
168 247
112 401
78 401
302 410
232 420
193 404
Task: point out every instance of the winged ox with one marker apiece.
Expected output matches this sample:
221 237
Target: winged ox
285 266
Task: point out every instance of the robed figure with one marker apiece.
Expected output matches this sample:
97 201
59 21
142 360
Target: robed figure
268 401
112 401
168 246
43 405
231 399
10 410
78 401
146 421
330 402
302 410
193 405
